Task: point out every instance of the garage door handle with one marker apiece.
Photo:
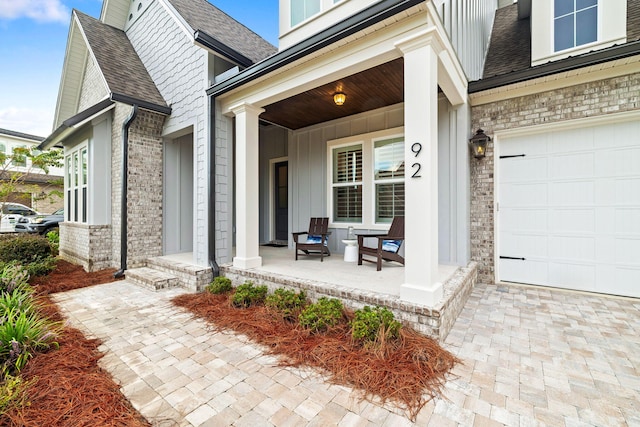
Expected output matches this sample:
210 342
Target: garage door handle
510 257
515 155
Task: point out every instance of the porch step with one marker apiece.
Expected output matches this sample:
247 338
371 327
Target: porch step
151 278
189 276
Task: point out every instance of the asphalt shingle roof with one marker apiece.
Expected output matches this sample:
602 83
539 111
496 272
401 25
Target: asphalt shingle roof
205 17
21 135
510 45
120 65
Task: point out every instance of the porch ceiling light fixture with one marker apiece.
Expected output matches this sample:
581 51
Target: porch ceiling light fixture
339 98
479 144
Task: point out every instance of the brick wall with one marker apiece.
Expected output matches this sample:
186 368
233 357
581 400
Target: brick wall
86 245
598 98
144 198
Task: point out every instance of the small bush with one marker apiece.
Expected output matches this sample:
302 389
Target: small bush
220 285
374 325
41 267
24 249
13 277
248 294
53 237
322 315
287 302
13 392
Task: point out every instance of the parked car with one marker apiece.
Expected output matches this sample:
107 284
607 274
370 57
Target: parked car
11 215
41 224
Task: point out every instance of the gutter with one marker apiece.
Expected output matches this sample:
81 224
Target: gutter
212 189
209 42
586 60
354 24
125 187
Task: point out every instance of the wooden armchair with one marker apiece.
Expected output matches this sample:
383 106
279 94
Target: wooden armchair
317 239
388 244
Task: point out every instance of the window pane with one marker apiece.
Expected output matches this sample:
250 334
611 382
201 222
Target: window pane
563 7
303 9
563 30
84 167
84 204
68 161
76 179
389 159
587 26
389 201
347 164
347 203
583 4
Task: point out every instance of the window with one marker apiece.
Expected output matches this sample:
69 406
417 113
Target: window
303 9
347 184
367 178
19 158
575 23
76 184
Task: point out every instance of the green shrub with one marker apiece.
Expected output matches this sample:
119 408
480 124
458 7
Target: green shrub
13 392
53 237
374 325
287 302
22 334
248 294
20 299
24 249
322 315
41 267
13 277
220 285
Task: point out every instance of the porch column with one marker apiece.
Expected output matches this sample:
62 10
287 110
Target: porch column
421 164
247 181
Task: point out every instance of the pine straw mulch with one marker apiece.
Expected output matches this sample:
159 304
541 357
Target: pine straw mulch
408 372
69 388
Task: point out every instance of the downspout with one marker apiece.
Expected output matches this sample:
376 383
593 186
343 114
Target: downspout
212 187
124 171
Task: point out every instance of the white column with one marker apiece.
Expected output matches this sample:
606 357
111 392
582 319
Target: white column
247 185
421 164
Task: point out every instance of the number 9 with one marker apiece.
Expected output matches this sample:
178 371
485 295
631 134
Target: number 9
416 148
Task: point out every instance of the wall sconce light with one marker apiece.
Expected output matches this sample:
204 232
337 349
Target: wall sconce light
479 144
339 98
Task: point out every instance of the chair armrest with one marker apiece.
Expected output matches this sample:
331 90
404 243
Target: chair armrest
297 234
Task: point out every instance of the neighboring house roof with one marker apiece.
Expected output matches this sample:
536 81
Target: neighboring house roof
126 77
509 56
230 36
20 135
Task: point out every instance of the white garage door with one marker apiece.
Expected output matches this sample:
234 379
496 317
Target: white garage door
569 209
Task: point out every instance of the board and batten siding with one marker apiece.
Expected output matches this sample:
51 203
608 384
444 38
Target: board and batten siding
179 68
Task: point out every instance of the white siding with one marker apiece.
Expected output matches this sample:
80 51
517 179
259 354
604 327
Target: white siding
468 23
179 69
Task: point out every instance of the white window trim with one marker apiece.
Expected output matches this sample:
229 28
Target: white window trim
596 42
70 184
368 183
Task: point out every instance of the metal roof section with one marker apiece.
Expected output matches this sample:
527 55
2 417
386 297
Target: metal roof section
355 23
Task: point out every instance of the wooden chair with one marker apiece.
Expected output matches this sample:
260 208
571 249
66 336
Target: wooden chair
317 239
388 244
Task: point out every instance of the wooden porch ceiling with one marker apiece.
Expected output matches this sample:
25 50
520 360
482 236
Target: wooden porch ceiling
370 89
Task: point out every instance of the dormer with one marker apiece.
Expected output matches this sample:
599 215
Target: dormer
300 19
564 28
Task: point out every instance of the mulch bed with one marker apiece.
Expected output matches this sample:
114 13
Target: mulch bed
407 372
70 389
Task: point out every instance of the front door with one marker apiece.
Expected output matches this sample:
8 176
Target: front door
281 203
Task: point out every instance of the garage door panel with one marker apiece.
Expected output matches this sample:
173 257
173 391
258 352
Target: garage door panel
572 248
587 234
572 220
580 165
575 276
572 193
523 220
522 245
533 194
529 271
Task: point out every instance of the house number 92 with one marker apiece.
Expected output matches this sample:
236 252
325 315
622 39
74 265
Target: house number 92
416 148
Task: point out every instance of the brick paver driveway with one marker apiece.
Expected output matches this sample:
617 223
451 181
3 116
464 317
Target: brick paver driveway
531 356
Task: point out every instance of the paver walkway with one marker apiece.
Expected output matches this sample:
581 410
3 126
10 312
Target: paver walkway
531 357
